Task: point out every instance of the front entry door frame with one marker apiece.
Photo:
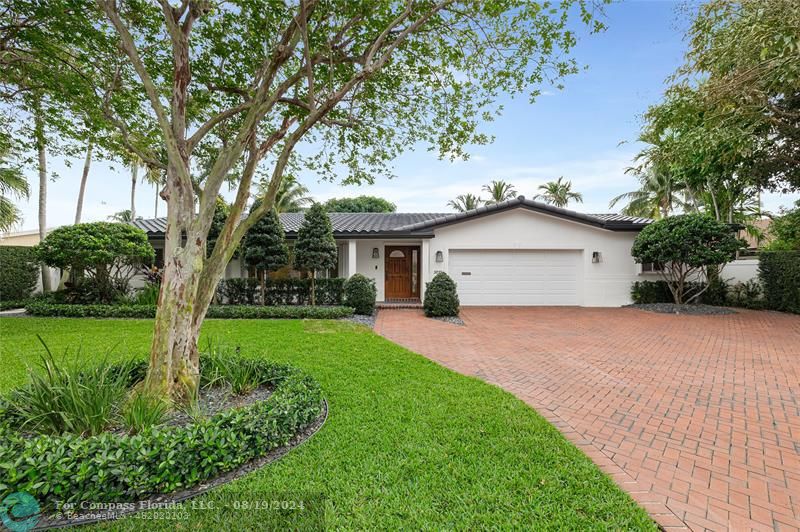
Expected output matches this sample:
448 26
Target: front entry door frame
399 272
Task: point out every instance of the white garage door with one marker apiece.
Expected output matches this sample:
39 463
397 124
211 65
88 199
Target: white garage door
516 277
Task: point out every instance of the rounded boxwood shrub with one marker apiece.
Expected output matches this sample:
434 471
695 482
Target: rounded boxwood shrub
112 467
360 293
441 298
19 272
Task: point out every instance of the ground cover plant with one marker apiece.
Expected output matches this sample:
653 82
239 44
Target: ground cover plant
408 444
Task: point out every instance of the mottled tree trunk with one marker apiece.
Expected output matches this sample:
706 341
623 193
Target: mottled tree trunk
40 147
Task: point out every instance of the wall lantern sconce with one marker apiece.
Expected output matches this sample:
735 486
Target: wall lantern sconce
596 257
376 253
439 256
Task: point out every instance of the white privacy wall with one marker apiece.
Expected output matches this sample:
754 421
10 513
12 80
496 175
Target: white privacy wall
603 284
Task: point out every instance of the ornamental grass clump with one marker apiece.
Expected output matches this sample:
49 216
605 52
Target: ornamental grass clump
67 399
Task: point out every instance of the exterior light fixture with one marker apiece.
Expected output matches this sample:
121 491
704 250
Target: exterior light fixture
376 254
596 257
439 256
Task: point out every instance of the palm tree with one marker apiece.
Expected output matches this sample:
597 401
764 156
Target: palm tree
291 196
558 193
123 216
465 202
12 185
499 191
658 195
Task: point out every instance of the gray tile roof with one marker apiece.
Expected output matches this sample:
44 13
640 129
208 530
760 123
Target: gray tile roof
418 224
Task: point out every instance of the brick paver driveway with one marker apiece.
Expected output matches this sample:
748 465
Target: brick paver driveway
698 417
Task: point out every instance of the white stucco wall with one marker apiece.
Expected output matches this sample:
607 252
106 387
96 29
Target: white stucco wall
606 283
741 270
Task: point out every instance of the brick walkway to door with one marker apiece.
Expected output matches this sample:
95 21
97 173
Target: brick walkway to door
698 417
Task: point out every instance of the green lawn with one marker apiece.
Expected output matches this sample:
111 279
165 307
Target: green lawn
408 444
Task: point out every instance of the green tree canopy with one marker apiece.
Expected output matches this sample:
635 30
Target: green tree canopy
360 204
315 248
232 89
97 247
687 247
785 230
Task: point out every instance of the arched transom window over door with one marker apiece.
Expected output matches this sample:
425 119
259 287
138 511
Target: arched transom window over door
397 254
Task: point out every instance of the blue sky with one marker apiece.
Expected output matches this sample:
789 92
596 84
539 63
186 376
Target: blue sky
575 133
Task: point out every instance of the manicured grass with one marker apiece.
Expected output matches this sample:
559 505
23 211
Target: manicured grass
408 444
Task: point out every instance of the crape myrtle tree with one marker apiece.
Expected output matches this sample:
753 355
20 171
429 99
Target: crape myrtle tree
315 248
236 87
265 247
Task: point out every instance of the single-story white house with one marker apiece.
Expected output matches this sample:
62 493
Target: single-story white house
518 252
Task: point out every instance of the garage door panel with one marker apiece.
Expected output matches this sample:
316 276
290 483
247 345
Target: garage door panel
516 277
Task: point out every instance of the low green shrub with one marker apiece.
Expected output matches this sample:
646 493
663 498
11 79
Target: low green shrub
646 292
11 304
147 295
441 298
360 293
779 272
280 291
746 295
19 271
43 308
93 291
114 467
143 410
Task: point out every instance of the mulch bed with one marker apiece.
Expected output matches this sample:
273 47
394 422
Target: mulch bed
672 308
169 501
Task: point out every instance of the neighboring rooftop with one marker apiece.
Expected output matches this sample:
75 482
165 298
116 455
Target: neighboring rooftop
422 224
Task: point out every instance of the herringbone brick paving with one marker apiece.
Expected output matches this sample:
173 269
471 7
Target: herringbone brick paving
697 417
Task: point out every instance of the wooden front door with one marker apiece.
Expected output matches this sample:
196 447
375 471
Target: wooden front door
402 272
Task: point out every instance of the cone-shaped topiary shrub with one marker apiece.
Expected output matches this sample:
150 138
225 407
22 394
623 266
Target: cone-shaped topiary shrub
360 293
315 248
441 298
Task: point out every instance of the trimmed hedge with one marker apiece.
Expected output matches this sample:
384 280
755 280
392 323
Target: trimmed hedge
646 292
19 271
360 293
122 468
779 272
280 291
441 298
37 308
8 305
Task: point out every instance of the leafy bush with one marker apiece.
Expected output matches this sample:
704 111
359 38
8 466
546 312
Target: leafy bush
63 399
89 290
746 295
44 308
360 293
281 291
645 292
147 295
785 231
8 305
687 247
19 272
779 272
113 467
441 298
238 291
109 253
143 410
